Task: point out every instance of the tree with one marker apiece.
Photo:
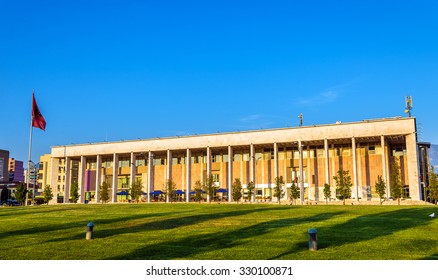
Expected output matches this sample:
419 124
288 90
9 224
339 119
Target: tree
294 193
237 189
198 191
250 187
396 185
47 194
327 192
20 194
380 188
74 192
433 185
343 185
278 188
104 192
169 190
209 187
4 195
136 190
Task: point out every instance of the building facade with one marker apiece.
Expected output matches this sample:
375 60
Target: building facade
309 156
4 160
16 170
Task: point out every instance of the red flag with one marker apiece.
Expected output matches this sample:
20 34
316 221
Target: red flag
37 119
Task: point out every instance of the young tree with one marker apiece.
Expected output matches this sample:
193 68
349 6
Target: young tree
396 185
327 193
4 194
20 194
210 188
237 190
380 188
250 187
198 191
169 190
47 194
294 193
74 192
433 185
104 192
136 190
278 188
343 185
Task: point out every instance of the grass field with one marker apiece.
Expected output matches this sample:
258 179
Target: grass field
218 232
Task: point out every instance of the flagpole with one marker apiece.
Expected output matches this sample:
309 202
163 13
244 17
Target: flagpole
30 153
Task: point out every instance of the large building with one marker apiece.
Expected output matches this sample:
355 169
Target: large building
309 156
4 160
16 170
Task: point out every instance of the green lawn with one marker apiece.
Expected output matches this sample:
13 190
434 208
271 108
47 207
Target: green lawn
218 231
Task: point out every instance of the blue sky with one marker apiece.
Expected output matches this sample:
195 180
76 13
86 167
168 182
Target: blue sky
119 70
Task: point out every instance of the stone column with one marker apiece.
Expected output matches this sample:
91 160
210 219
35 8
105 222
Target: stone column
413 166
98 177
252 169
188 175
115 177
208 169
67 180
230 173
326 162
150 174
54 172
355 184
301 180
384 166
168 172
82 181
276 161
133 170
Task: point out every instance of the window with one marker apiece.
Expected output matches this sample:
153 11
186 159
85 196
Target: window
371 150
246 157
237 157
215 177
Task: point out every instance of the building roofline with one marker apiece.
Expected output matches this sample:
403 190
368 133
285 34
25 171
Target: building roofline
338 123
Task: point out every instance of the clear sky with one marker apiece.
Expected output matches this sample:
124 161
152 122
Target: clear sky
120 70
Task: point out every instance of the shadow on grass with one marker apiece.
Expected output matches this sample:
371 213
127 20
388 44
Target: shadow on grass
78 224
167 224
193 245
365 228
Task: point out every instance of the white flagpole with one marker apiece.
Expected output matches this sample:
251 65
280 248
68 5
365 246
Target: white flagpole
30 152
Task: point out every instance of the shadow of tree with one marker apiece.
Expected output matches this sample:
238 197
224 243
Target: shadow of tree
166 224
366 228
196 244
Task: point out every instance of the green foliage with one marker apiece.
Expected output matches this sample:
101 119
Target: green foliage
380 188
210 188
327 192
250 187
136 190
433 185
343 185
74 192
4 194
47 194
104 192
237 189
278 188
294 193
169 190
396 186
198 191
20 194
218 232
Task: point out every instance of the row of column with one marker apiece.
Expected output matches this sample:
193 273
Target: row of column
209 171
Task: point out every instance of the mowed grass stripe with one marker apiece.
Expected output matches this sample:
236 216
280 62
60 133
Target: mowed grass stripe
217 231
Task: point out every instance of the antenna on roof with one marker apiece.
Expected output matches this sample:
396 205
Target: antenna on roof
301 119
408 105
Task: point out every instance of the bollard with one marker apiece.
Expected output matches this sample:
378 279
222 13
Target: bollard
313 240
89 235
